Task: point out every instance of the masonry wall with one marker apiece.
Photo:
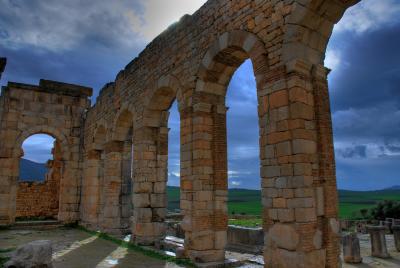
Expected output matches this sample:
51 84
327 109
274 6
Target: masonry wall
192 62
52 108
41 199
35 199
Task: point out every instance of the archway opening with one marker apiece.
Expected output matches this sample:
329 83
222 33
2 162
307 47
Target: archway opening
244 183
40 172
363 55
174 178
151 162
210 160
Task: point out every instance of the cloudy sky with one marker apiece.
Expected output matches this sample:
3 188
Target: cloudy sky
88 42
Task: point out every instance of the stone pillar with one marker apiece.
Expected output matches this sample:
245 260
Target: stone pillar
396 234
3 63
9 170
149 185
126 187
298 172
91 189
205 193
378 241
351 248
111 218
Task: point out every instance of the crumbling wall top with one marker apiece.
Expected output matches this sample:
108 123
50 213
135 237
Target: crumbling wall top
54 87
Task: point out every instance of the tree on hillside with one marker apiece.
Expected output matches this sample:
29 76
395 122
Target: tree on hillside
386 209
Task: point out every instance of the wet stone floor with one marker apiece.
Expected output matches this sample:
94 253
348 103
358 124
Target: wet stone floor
77 249
73 248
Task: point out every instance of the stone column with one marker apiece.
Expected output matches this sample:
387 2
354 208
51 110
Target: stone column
378 241
9 170
91 189
205 193
298 172
351 248
149 185
396 234
126 198
111 221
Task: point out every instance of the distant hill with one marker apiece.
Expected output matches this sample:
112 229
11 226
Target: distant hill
31 171
244 201
395 187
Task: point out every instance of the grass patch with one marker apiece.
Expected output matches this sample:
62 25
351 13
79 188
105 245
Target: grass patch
145 251
3 260
248 202
253 223
6 250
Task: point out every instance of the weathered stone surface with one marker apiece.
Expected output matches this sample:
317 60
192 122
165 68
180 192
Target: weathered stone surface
378 241
351 248
249 240
32 255
284 236
396 234
192 62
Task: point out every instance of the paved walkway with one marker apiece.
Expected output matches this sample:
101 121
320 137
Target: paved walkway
77 249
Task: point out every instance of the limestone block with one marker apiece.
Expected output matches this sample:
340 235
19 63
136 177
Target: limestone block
378 241
305 214
141 200
351 248
396 234
34 254
158 200
284 236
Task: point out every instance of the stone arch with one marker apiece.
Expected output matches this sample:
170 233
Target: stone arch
151 150
309 27
207 187
58 135
123 125
167 89
225 55
52 188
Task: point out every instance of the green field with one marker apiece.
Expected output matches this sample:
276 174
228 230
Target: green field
248 202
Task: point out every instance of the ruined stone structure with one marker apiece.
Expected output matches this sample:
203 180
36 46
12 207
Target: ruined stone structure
52 108
115 153
40 199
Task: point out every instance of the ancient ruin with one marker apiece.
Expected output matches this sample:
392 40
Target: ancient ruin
113 156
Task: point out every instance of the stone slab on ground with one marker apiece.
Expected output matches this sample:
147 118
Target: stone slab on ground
34 254
75 248
372 262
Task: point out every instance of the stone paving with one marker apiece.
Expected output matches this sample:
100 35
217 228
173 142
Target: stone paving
123 138
77 249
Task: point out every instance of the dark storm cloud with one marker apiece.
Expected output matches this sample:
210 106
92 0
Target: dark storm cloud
365 97
88 42
72 41
370 73
359 151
